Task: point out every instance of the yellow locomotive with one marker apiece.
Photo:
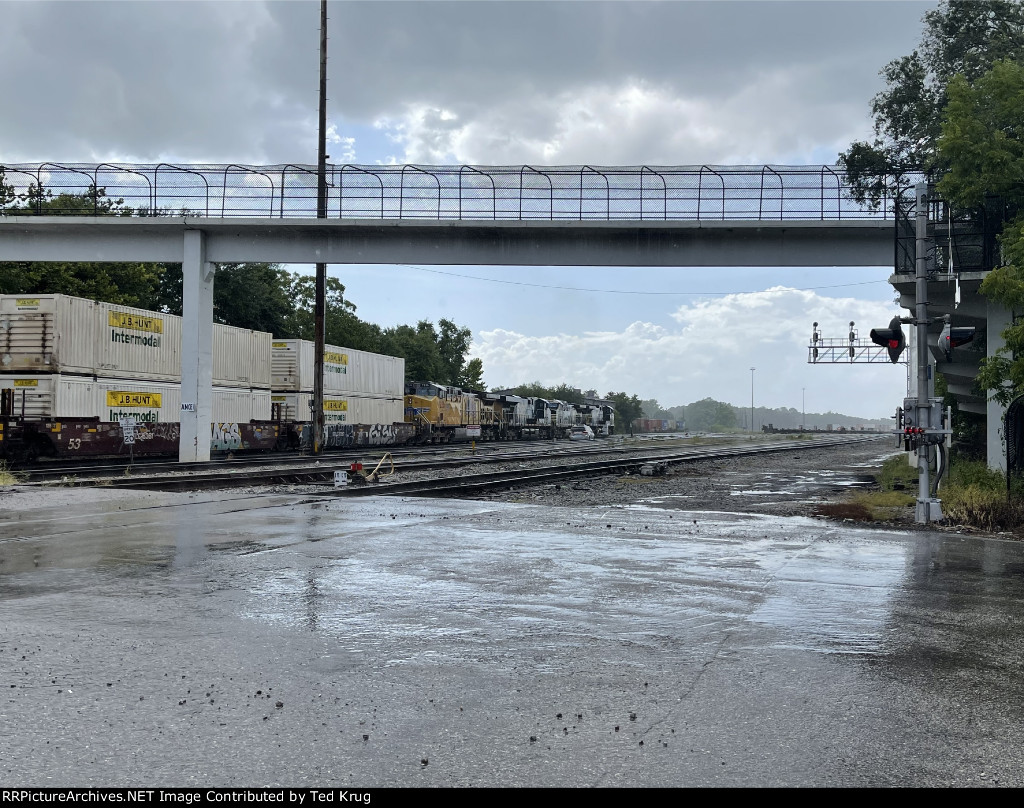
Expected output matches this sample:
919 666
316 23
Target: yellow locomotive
441 412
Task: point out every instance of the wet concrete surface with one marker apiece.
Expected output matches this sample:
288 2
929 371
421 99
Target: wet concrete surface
277 641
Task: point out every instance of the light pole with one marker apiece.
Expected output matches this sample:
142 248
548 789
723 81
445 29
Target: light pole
752 399
803 409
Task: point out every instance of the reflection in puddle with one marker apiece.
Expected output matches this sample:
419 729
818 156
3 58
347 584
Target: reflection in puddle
761 492
835 599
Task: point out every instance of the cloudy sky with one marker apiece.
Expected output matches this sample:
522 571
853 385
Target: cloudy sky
506 82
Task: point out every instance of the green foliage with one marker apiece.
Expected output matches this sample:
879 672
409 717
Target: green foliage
896 473
982 145
627 409
976 474
561 392
982 138
418 346
134 284
472 377
981 508
7 195
452 346
708 415
652 409
975 495
964 37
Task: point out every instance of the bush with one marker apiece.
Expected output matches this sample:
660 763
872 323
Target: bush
978 507
975 495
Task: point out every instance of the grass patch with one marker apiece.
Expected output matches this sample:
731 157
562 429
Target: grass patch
975 495
869 506
8 477
845 510
897 474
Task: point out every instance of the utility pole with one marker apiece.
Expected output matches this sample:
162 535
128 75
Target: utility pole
927 509
319 307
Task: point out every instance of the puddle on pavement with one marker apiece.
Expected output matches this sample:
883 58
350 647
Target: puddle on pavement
835 599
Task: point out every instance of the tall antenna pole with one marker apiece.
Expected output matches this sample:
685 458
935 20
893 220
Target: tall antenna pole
320 307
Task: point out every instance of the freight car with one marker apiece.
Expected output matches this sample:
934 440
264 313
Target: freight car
81 378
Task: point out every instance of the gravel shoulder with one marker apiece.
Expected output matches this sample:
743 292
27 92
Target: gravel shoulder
793 483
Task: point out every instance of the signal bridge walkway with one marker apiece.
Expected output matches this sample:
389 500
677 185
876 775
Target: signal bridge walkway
202 215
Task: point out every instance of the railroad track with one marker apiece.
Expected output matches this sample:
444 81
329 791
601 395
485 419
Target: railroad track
626 459
469 484
86 472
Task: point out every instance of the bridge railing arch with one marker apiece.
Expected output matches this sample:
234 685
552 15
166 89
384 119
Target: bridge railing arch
524 192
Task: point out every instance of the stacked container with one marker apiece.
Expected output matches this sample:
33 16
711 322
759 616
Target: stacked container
67 357
359 387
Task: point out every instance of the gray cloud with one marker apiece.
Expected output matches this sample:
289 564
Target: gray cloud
237 80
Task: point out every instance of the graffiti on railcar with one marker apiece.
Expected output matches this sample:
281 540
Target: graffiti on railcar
161 430
225 437
382 435
339 436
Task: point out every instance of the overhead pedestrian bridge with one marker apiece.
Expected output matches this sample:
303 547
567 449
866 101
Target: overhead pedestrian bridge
650 216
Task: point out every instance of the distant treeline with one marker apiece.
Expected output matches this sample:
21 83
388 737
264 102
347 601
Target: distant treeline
708 415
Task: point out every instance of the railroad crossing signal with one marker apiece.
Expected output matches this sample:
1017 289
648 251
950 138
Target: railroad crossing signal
891 338
951 338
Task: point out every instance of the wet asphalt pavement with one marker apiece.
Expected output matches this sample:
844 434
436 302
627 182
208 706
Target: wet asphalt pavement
270 641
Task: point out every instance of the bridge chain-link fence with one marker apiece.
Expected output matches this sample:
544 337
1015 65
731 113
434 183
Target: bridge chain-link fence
579 193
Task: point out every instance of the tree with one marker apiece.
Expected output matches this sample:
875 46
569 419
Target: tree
627 409
652 409
7 194
561 392
708 415
254 295
963 37
418 346
472 377
452 346
982 143
341 325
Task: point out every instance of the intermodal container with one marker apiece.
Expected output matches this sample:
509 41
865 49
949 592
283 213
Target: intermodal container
341 409
57 395
63 334
345 370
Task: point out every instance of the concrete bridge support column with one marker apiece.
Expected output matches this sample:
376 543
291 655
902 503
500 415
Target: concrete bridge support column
196 350
997 320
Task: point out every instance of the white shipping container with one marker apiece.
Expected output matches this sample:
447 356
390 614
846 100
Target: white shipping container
59 395
63 334
241 358
41 333
345 370
135 343
348 409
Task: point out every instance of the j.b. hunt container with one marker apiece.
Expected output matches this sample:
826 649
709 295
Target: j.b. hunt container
63 334
58 395
345 370
341 409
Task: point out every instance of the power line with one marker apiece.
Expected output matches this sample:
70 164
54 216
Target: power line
622 291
